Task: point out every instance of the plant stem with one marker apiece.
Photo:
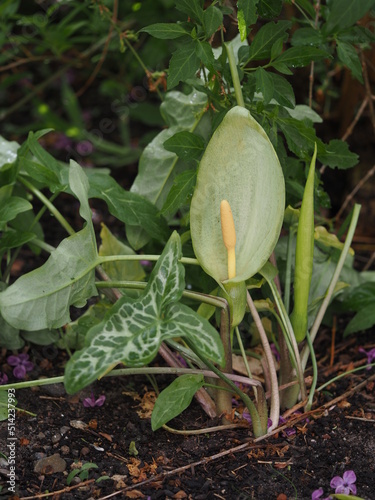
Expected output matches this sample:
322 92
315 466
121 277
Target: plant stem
332 285
141 285
315 373
223 399
136 371
65 224
234 73
275 398
153 258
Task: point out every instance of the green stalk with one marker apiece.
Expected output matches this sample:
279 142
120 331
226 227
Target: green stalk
288 272
223 399
65 224
304 256
315 373
234 73
333 283
275 398
113 258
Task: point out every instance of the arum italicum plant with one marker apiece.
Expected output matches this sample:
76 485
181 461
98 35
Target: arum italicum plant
236 216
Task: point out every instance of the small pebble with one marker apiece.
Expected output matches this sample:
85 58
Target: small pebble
85 451
56 438
50 465
64 429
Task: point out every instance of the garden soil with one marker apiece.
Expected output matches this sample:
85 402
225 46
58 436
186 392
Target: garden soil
132 461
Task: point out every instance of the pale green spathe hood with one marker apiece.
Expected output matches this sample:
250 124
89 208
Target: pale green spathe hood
241 166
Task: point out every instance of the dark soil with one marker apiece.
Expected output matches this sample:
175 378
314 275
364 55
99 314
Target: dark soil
338 436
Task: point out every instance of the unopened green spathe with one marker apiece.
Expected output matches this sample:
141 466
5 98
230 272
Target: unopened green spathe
239 165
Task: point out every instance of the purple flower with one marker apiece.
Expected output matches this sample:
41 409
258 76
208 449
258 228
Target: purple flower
91 402
317 494
345 484
21 364
84 148
370 356
3 378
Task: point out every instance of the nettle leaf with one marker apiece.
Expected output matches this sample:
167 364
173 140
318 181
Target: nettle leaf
212 20
246 16
264 84
282 91
337 154
134 329
12 208
269 8
181 191
183 65
165 31
126 206
349 57
42 298
205 54
296 57
175 399
307 36
193 8
300 137
186 145
268 34
345 13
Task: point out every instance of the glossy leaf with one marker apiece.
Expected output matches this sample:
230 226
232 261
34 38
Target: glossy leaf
241 166
192 8
175 399
269 8
133 329
12 208
42 298
212 19
349 57
246 15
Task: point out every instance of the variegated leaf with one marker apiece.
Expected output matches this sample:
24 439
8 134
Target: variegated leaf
134 329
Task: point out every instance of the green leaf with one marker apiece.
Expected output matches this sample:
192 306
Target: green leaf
12 238
363 320
183 65
175 399
41 337
186 145
296 57
307 36
299 136
158 167
182 189
269 8
13 207
128 207
247 16
282 91
345 13
42 298
264 84
337 154
119 270
205 54
349 57
268 34
9 337
193 8
212 20
165 31
133 329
